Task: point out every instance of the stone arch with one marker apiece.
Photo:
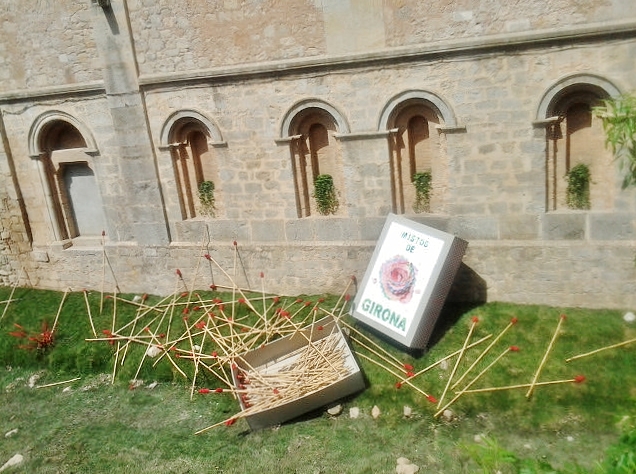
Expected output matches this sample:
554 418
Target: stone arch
404 99
64 149
581 82
574 136
417 154
172 126
311 128
299 110
43 122
190 137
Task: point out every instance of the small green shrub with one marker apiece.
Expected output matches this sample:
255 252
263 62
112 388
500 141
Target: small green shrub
490 455
325 195
578 190
206 197
621 457
422 182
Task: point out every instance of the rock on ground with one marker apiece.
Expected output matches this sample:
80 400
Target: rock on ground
404 466
14 461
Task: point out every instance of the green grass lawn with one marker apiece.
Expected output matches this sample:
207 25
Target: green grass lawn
96 424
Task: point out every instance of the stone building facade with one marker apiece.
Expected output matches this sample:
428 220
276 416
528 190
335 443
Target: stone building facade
115 115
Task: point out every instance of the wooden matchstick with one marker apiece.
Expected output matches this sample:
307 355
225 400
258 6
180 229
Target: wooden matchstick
88 309
59 310
473 324
394 360
132 329
385 359
196 359
512 322
577 379
57 383
596 351
101 298
408 382
545 357
112 380
475 379
449 356
15 285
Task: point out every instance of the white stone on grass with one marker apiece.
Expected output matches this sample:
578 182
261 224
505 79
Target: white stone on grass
354 412
375 412
405 466
335 411
153 351
629 317
10 433
33 380
448 415
408 412
14 461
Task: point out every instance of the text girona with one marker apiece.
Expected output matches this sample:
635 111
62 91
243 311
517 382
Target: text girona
385 314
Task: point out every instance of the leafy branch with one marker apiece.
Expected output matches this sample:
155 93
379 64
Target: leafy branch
619 124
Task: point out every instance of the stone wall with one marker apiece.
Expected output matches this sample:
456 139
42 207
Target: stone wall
47 44
138 66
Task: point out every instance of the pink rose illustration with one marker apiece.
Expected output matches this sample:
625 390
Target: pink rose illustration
397 278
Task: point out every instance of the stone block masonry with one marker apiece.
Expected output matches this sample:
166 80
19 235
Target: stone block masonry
131 86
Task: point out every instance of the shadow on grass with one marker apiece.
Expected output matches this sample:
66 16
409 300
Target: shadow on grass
467 292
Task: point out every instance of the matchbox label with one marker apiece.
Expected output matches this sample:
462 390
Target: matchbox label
398 277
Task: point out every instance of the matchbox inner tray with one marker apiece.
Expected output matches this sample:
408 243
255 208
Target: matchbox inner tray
294 375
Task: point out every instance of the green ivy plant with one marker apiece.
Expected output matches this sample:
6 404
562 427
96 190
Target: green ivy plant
325 194
206 197
578 190
619 124
422 182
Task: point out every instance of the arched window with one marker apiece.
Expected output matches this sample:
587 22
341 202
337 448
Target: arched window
315 152
68 176
195 169
415 151
575 138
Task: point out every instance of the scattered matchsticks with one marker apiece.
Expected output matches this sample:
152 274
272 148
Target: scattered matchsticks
473 324
545 357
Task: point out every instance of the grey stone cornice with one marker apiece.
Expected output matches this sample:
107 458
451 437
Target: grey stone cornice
88 88
419 52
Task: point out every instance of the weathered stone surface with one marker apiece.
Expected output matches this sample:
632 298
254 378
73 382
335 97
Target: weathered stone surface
243 85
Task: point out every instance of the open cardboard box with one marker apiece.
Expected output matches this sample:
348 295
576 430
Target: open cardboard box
277 355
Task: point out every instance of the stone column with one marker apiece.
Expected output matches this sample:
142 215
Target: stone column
140 202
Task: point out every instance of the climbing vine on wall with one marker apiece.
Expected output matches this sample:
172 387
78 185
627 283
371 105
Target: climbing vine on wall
578 190
206 198
422 182
325 195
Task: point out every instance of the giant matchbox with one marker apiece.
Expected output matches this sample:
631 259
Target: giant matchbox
407 280
299 373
